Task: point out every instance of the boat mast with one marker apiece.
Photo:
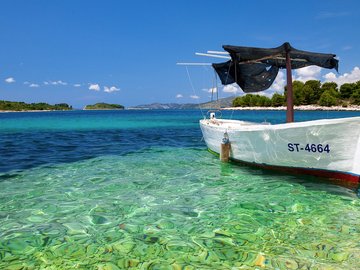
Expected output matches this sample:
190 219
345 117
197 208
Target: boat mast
290 95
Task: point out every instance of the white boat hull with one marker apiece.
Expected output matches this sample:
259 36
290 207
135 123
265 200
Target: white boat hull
330 146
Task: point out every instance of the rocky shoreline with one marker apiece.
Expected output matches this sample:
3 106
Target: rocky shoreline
298 108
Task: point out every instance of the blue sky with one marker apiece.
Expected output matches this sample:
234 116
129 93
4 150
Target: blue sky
125 52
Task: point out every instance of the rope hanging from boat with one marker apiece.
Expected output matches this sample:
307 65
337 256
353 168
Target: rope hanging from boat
216 76
226 82
232 111
193 88
215 89
212 89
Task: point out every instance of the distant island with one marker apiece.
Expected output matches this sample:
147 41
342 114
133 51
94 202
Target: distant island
42 106
104 106
221 103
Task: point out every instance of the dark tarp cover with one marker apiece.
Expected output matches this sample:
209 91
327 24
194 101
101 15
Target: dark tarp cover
255 69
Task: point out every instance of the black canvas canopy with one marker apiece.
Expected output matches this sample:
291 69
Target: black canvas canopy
255 69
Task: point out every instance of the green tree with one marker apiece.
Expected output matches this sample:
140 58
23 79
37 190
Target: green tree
347 89
355 97
236 102
264 101
22 106
104 106
299 97
62 106
309 92
329 85
277 100
327 98
248 100
251 100
308 95
357 85
312 91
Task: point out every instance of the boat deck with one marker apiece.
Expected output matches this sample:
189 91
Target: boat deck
231 124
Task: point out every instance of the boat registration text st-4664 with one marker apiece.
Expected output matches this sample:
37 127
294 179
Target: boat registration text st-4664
310 147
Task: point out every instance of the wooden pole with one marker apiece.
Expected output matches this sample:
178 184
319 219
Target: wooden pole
225 152
225 148
290 95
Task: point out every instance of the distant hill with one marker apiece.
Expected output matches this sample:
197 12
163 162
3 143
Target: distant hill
104 106
224 102
163 106
221 103
42 106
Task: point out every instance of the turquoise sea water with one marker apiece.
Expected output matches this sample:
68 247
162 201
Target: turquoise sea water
138 190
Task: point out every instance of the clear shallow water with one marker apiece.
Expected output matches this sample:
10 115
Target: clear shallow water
117 190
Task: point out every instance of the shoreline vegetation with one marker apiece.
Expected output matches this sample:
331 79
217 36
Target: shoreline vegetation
15 106
311 95
297 108
104 106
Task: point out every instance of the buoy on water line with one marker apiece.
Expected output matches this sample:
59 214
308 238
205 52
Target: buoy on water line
225 148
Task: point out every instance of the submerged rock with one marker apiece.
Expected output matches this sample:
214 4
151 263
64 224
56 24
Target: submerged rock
98 220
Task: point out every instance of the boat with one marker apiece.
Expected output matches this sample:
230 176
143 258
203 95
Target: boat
327 148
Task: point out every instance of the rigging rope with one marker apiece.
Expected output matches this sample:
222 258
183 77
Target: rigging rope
232 111
192 86
214 89
227 77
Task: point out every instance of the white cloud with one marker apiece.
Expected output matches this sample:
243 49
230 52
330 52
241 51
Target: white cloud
210 90
59 82
194 97
111 89
76 84
34 85
231 88
331 76
179 96
10 80
62 83
347 48
94 86
26 82
279 83
307 73
351 77
267 93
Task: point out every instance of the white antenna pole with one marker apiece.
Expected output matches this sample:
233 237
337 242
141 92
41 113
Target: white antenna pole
213 55
194 64
217 52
